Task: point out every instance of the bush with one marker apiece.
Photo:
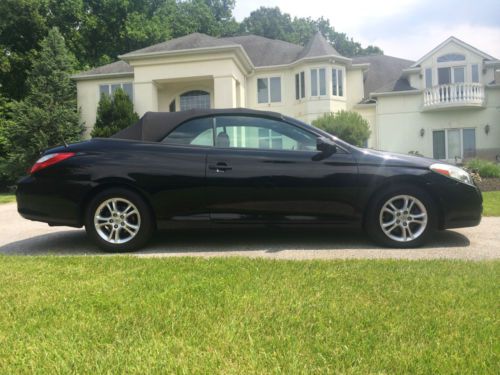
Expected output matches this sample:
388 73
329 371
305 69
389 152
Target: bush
484 168
114 114
346 125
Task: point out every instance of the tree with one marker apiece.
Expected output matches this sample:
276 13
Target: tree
114 114
47 116
272 23
97 31
346 125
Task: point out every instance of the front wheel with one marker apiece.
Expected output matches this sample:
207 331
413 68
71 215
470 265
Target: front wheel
401 217
119 220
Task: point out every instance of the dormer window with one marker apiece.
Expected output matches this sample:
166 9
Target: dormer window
451 57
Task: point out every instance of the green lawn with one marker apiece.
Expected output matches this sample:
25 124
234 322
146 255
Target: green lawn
491 203
241 316
7 198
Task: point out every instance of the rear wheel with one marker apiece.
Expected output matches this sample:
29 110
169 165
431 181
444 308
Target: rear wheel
401 217
119 220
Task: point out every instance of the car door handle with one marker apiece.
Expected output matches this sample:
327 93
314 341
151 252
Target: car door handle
220 167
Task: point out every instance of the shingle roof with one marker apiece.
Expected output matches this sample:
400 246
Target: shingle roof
265 52
261 51
113 68
318 46
400 84
190 41
384 73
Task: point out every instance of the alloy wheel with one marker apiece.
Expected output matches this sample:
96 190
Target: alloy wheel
117 220
403 218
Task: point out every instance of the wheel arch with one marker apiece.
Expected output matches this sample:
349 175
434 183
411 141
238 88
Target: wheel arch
110 184
410 180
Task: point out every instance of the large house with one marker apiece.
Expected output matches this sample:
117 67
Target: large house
445 105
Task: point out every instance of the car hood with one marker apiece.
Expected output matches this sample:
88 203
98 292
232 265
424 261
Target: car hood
373 157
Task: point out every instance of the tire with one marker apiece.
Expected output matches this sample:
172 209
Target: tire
389 223
119 220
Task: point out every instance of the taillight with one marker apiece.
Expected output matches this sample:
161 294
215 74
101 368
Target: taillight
50 159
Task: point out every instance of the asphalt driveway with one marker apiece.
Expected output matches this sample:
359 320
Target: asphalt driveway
22 237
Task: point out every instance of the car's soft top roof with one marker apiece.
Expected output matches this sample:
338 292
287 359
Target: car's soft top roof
154 126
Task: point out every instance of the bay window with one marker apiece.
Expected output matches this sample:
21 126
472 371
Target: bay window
318 82
337 82
300 85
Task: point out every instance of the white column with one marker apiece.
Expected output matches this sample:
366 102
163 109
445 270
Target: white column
225 92
145 97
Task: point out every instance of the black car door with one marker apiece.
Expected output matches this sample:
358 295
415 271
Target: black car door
180 181
264 169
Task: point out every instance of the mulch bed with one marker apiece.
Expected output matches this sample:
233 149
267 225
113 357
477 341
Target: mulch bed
489 184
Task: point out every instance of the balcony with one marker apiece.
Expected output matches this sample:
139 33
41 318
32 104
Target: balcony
454 95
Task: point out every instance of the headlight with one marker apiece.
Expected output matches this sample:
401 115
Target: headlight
452 172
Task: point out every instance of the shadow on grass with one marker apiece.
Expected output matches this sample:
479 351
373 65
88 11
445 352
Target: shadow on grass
190 242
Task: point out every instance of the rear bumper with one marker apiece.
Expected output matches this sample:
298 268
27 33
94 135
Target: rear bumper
47 202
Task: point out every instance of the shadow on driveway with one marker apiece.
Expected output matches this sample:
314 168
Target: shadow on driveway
221 242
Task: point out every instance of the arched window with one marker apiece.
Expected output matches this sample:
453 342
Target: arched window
451 57
195 99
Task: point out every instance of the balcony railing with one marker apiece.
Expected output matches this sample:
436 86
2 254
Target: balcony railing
454 95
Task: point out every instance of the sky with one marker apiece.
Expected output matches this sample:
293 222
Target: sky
402 28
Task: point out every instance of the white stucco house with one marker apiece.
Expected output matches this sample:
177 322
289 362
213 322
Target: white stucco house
445 105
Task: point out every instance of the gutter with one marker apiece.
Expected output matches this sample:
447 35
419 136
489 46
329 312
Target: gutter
395 93
78 77
333 58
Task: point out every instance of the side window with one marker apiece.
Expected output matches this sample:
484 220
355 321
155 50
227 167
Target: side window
261 133
196 132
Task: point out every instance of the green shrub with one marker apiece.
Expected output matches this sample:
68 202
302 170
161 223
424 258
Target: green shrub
348 126
484 168
114 114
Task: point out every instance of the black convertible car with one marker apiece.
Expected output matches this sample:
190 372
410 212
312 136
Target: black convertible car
241 166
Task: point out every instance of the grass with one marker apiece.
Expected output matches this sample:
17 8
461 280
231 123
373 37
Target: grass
491 203
7 198
243 316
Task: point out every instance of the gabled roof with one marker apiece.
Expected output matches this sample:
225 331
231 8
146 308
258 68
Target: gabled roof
316 47
452 39
383 74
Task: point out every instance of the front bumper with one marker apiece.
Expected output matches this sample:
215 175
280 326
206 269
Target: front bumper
461 204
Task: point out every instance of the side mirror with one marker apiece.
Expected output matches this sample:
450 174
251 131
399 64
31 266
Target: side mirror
326 146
